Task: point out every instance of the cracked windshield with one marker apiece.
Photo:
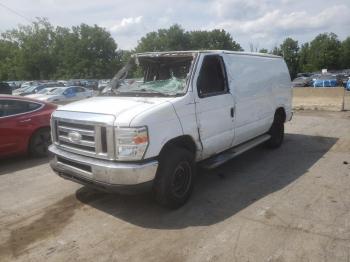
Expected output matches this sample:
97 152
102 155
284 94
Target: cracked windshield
152 76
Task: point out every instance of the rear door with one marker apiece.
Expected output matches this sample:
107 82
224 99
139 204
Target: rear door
15 124
214 105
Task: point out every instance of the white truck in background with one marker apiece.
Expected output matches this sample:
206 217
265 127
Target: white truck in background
166 112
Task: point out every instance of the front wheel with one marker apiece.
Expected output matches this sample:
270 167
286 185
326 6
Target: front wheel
39 143
175 177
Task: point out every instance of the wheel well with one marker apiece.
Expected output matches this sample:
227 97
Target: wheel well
33 133
280 114
183 142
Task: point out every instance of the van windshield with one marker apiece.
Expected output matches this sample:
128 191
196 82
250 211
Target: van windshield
156 75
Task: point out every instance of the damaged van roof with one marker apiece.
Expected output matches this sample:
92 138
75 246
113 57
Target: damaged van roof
193 52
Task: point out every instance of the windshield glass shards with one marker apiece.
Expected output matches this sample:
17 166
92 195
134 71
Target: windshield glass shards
152 75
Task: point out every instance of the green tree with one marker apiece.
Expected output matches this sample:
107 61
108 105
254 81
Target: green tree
276 51
289 49
41 51
34 57
345 54
325 51
176 38
213 40
85 52
8 65
304 59
173 39
263 50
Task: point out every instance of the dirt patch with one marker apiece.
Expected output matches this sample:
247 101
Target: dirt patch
49 223
331 99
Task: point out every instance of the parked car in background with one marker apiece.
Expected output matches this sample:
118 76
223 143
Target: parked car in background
43 92
301 81
103 83
5 88
90 84
24 126
304 74
64 82
342 79
74 82
326 80
36 88
26 84
67 94
14 84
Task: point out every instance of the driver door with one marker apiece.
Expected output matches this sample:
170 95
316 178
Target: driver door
214 106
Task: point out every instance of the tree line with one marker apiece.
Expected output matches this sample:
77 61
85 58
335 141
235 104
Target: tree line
324 51
43 51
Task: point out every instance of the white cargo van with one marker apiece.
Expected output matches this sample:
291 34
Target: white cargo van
166 112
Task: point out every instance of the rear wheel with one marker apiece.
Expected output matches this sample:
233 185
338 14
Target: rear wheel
39 143
276 132
175 177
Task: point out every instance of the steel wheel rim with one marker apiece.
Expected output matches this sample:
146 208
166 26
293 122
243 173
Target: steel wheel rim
181 181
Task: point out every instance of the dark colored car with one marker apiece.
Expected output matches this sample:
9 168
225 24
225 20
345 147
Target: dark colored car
301 81
304 75
5 88
24 126
91 84
342 79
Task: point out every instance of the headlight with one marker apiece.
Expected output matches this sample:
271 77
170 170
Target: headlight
131 143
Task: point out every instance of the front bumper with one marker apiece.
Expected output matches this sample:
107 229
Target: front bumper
103 174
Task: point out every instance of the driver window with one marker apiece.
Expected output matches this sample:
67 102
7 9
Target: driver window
211 79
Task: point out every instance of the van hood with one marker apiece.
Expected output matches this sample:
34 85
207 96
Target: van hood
115 105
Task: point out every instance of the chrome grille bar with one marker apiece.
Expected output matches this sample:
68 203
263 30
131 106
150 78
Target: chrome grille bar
81 142
79 130
94 130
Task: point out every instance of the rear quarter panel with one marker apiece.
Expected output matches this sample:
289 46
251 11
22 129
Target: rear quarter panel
259 85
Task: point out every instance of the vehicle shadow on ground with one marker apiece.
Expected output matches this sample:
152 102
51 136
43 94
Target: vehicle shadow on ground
17 163
241 182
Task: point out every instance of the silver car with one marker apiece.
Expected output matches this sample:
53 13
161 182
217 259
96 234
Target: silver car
67 94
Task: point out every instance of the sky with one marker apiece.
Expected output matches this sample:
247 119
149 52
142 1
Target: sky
257 23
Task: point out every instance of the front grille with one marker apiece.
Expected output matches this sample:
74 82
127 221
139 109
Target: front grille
89 138
85 131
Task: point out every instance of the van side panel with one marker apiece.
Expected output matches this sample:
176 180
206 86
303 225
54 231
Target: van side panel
259 85
282 90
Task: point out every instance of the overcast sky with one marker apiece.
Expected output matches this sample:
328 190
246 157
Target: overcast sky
263 23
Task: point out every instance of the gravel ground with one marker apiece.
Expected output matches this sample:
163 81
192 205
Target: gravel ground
289 204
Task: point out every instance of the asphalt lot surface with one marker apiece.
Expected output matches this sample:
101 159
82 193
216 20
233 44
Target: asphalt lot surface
289 204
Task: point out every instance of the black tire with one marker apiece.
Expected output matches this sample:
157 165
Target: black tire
175 177
276 132
39 142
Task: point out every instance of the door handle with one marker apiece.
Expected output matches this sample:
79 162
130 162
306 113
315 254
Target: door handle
232 112
25 120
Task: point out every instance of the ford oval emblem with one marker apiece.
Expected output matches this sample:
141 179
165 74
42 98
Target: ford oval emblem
74 136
